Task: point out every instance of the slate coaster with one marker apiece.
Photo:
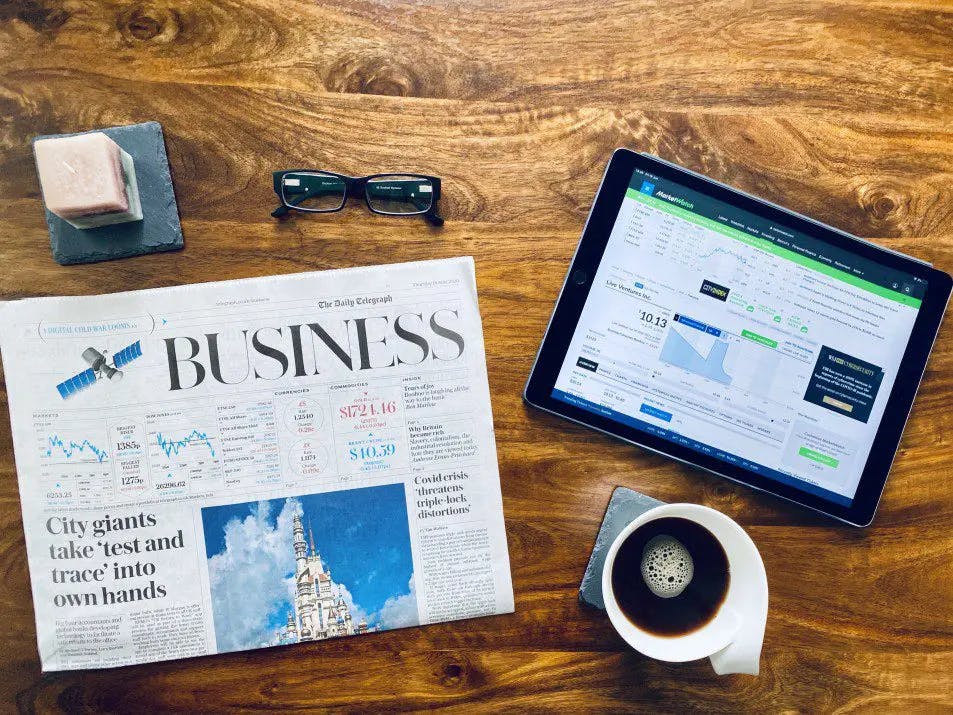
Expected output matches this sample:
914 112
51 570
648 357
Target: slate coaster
159 229
624 506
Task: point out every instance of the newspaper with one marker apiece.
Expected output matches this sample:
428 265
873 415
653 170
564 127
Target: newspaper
227 466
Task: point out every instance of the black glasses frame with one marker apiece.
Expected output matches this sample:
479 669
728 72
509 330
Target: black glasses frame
356 186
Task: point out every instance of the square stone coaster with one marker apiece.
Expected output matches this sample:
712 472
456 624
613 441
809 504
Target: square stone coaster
159 229
624 506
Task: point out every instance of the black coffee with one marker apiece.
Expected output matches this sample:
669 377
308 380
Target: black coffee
695 603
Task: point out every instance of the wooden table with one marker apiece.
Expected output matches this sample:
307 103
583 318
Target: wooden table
841 110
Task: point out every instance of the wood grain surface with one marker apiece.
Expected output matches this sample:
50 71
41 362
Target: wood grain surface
841 110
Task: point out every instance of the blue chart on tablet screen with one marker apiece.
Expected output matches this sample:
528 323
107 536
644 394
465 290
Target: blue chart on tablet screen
698 351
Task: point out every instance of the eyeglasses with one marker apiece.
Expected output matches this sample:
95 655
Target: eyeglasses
388 194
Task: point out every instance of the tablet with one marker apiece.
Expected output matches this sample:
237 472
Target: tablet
732 334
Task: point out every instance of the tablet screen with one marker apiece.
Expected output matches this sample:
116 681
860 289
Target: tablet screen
741 338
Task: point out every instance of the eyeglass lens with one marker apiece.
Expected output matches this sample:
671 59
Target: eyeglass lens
313 191
399 194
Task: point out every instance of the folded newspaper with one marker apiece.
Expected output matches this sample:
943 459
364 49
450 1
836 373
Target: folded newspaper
226 466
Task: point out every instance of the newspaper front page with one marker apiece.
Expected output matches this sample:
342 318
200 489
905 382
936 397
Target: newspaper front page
226 466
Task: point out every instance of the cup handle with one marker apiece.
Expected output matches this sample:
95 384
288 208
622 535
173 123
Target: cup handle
743 654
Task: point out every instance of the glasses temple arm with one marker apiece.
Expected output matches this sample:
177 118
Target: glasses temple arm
433 217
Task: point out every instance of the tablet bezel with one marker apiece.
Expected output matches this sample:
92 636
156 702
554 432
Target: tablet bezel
575 290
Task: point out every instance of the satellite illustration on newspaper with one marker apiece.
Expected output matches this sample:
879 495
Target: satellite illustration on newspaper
228 466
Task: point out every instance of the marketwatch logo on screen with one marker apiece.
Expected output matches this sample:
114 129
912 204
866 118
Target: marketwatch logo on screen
275 352
678 200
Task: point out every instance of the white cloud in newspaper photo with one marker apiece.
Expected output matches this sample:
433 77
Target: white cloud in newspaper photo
249 580
400 611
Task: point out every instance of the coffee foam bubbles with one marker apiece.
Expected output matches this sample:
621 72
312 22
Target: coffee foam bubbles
667 567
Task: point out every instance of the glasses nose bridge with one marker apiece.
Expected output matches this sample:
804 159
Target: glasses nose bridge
358 187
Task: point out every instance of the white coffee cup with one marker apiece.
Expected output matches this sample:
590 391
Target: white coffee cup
733 638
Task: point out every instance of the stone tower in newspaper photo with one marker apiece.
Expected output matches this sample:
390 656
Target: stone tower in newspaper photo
319 609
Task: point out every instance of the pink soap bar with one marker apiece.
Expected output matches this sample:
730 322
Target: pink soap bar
81 175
